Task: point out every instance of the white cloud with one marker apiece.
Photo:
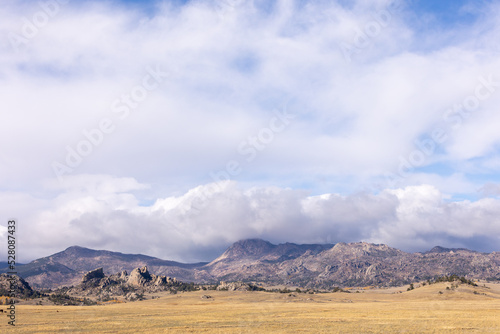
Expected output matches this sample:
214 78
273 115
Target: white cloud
490 189
199 224
228 73
230 68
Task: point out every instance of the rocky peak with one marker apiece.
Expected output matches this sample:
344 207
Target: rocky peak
247 248
139 276
439 249
357 249
96 273
123 275
76 251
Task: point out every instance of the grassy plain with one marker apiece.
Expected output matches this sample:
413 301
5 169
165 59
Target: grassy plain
423 310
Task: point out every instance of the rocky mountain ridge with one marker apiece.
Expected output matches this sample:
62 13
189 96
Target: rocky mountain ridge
256 260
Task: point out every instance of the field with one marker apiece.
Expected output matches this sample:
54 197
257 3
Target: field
427 309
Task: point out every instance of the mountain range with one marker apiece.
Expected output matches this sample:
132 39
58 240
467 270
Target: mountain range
255 260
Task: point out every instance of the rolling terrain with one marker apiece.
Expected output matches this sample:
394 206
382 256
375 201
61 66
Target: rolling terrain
437 308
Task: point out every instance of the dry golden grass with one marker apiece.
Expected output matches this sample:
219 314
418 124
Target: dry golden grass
422 310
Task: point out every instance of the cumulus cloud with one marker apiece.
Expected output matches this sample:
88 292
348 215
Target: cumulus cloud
139 110
199 224
229 68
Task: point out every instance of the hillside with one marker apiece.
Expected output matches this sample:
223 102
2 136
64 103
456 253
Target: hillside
353 264
67 267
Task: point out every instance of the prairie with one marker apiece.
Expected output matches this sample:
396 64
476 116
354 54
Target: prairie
426 309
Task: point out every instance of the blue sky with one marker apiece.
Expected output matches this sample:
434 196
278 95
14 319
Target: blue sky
176 128
445 13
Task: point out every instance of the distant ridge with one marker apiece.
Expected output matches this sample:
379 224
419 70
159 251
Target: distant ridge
257 260
439 249
4 265
85 258
264 250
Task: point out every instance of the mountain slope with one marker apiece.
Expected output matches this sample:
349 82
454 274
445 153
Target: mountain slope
353 264
256 259
258 249
67 267
87 259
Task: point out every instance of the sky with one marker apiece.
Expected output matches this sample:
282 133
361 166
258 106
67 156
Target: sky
175 128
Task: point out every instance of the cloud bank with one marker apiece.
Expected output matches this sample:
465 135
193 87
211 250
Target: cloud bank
117 116
103 212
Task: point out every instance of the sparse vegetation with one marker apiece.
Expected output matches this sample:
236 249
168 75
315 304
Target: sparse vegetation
453 278
61 298
242 311
253 287
187 287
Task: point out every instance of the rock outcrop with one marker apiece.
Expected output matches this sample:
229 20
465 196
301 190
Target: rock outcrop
96 284
142 278
96 273
139 277
14 285
232 286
